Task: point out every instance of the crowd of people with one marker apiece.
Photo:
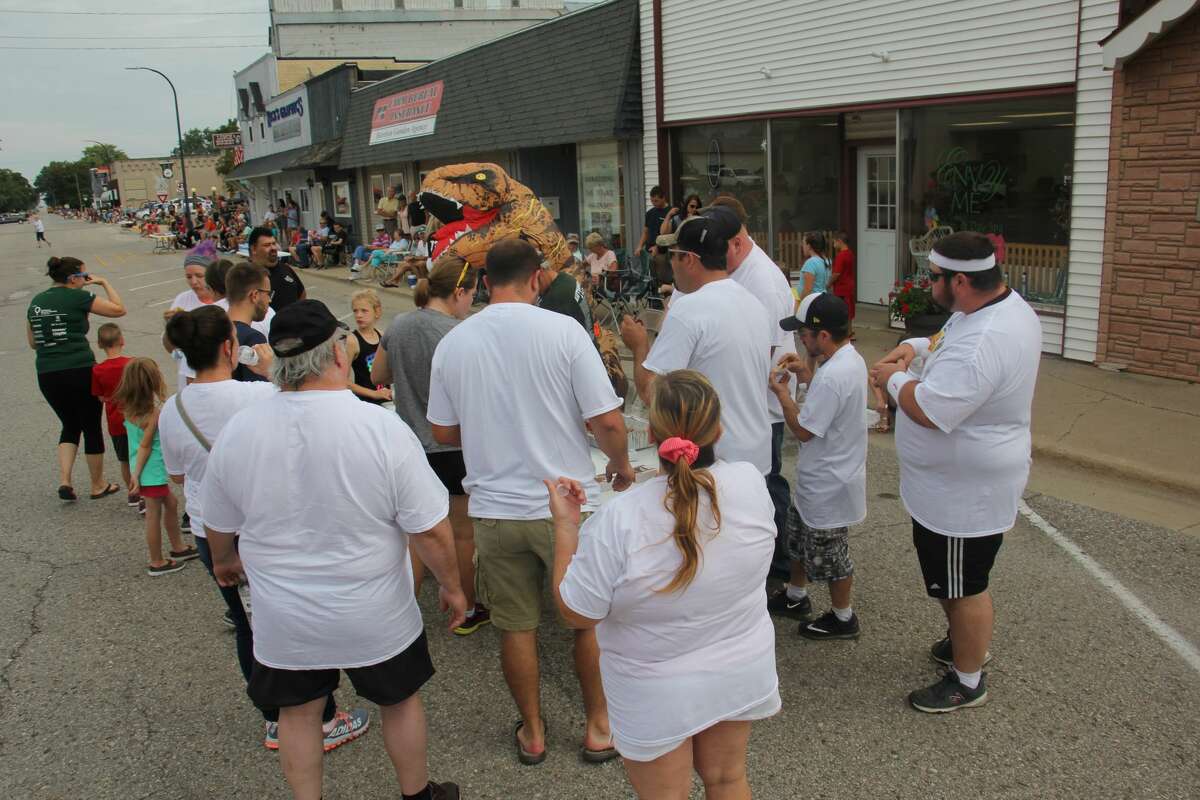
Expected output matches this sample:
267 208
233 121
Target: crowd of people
301 483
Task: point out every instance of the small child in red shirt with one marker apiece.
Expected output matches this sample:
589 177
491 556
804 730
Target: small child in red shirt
106 375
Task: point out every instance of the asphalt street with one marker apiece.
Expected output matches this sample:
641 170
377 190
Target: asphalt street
116 685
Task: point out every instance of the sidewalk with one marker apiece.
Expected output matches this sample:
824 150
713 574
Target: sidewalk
1133 426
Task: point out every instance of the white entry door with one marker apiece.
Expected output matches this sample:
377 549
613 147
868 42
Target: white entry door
876 251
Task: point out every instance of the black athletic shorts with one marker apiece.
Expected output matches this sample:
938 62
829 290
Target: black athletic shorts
384 684
450 468
955 566
120 447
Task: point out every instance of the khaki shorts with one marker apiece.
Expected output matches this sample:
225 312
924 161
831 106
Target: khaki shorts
513 557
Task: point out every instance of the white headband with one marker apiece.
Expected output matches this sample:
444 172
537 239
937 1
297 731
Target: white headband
967 265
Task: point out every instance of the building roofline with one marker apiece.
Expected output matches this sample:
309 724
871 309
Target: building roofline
1130 39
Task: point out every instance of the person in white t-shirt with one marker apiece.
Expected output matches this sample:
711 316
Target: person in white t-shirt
195 264
718 329
687 648
516 387
963 441
831 472
753 269
320 490
206 334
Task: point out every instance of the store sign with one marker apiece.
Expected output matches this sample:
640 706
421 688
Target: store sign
226 141
284 120
407 114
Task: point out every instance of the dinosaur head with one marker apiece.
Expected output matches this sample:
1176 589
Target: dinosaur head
447 189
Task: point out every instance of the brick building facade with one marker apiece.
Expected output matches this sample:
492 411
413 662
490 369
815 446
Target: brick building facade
1150 286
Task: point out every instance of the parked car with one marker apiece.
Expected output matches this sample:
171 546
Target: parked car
12 216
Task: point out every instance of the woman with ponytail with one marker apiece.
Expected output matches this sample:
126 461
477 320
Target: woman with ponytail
671 574
404 359
56 328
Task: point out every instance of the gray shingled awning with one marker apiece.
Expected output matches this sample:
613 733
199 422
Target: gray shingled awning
576 78
267 165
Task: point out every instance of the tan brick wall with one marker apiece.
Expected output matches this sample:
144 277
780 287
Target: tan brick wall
1150 289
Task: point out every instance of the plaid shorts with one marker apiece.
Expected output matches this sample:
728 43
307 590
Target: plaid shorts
825 553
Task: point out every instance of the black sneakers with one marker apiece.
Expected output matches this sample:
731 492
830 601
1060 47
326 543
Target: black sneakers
780 605
443 791
949 695
943 652
828 626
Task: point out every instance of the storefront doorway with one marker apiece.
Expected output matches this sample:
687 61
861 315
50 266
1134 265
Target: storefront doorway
876 238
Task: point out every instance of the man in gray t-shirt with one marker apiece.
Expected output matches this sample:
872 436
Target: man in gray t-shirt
409 344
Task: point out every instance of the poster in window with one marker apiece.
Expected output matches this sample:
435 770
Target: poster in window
376 188
341 198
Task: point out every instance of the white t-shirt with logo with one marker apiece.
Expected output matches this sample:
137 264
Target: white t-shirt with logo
831 472
210 406
520 381
39 226
759 275
722 331
322 488
674 664
965 478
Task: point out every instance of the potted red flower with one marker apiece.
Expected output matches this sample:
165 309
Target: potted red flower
911 301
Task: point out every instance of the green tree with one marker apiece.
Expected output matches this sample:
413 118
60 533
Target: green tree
100 155
198 141
15 192
65 183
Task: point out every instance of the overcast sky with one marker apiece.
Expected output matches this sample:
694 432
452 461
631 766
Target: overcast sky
55 99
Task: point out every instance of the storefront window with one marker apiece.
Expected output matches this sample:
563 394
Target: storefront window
1002 169
601 194
806 156
730 158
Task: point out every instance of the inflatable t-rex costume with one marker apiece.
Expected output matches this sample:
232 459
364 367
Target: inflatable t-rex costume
479 204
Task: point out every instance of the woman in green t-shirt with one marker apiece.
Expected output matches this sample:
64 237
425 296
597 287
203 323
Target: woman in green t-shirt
57 326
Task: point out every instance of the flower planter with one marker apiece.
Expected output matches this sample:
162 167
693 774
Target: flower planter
924 324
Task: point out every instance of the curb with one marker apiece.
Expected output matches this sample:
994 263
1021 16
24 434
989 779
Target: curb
1117 467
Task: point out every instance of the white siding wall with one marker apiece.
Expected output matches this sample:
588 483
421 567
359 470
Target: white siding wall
649 128
819 53
413 41
1092 120
1052 332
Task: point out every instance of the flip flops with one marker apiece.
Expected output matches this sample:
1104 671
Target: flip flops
67 493
523 755
597 756
112 488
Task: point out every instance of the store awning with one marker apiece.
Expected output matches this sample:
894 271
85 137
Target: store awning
575 78
324 154
267 165
1131 38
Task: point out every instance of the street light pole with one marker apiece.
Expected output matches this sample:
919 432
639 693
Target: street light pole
187 200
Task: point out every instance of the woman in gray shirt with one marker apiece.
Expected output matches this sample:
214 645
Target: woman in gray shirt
405 360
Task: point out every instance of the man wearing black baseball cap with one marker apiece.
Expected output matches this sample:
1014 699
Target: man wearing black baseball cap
830 491
319 489
718 329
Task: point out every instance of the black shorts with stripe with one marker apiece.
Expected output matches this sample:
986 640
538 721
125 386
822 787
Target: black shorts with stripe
955 566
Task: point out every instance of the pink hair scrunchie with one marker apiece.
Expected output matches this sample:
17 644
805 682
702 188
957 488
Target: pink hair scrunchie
675 448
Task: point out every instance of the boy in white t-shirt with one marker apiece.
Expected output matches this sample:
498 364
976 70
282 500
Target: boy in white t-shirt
831 474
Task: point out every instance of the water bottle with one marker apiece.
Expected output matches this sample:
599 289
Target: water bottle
247 355
244 594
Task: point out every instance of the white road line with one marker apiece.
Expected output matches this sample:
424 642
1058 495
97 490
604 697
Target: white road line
148 285
1186 650
160 302
151 272
345 316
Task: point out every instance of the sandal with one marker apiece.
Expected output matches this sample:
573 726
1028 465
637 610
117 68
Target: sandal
600 756
112 488
66 493
523 755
